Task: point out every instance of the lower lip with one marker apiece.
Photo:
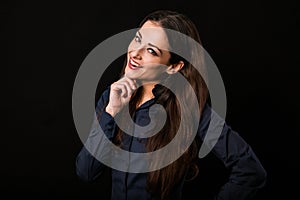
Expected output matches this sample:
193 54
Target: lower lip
132 67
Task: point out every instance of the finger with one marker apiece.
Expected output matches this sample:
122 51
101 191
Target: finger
122 89
131 85
131 82
130 90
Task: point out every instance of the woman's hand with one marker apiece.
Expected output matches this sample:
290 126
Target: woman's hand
120 94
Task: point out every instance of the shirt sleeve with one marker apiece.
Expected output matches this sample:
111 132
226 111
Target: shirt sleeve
88 166
247 174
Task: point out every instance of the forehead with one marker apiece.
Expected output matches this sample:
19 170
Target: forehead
154 34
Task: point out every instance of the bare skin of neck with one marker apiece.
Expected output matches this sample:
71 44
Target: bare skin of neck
146 93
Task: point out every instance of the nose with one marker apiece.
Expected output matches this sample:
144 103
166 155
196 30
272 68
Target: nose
137 52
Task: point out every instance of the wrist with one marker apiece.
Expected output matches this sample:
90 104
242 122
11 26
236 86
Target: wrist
110 111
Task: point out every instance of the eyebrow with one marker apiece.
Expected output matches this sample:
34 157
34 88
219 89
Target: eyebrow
155 47
139 33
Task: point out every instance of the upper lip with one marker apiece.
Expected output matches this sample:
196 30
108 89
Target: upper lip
135 63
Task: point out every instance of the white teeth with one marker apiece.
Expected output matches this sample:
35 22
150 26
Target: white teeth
133 63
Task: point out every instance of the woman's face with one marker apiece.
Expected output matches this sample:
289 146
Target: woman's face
148 55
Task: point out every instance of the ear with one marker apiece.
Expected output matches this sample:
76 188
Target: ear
174 68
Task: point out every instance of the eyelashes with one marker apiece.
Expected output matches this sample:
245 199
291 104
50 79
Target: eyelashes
137 39
150 50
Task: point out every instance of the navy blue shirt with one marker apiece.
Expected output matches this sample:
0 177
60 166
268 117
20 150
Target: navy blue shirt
246 175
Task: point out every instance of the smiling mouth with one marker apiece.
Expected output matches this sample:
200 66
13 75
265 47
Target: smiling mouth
133 65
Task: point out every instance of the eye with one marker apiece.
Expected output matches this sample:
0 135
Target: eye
150 50
137 39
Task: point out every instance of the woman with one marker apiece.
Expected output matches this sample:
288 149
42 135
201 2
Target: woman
150 66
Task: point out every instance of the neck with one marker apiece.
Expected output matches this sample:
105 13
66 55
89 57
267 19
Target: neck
147 90
146 93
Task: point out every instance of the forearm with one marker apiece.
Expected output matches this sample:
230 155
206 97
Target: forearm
88 168
247 174
96 149
89 163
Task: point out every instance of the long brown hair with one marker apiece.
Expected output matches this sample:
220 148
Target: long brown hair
161 182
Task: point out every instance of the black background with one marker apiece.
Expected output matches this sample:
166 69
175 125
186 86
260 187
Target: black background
44 43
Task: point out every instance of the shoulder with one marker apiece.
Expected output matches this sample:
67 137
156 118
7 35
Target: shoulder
103 98
105 93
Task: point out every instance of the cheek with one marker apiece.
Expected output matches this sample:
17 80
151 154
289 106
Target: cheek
129 47
156 70
132 46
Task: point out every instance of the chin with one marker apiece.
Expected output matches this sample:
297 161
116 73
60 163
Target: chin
131 75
